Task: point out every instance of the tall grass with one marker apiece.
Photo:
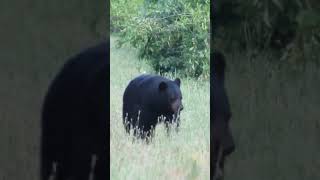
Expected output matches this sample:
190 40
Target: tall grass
275 119
183 155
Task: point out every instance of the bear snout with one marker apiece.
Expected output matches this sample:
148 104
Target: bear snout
181 107
176 106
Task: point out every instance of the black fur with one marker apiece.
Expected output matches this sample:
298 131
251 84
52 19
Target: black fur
74 117
152 96
220 112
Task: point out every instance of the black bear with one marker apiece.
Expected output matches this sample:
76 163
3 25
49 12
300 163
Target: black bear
75 118
222 139
149 99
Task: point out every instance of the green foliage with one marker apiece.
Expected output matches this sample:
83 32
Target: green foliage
171 35
121 11
283 26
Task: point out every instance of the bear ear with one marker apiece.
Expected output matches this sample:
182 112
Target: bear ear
163 86
177 81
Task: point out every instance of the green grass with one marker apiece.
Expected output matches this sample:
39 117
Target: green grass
184 155
275 119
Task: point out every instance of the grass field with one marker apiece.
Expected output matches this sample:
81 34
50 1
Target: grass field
184 155
275 119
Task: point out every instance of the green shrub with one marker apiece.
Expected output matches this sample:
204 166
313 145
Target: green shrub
121 11
288 28
171 35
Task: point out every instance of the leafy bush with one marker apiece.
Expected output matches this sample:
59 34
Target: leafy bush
172 35
121 11
284 26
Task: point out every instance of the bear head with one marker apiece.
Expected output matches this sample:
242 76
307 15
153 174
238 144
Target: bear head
171 96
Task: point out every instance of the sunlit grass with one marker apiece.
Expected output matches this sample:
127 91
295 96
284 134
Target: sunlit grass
183 155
